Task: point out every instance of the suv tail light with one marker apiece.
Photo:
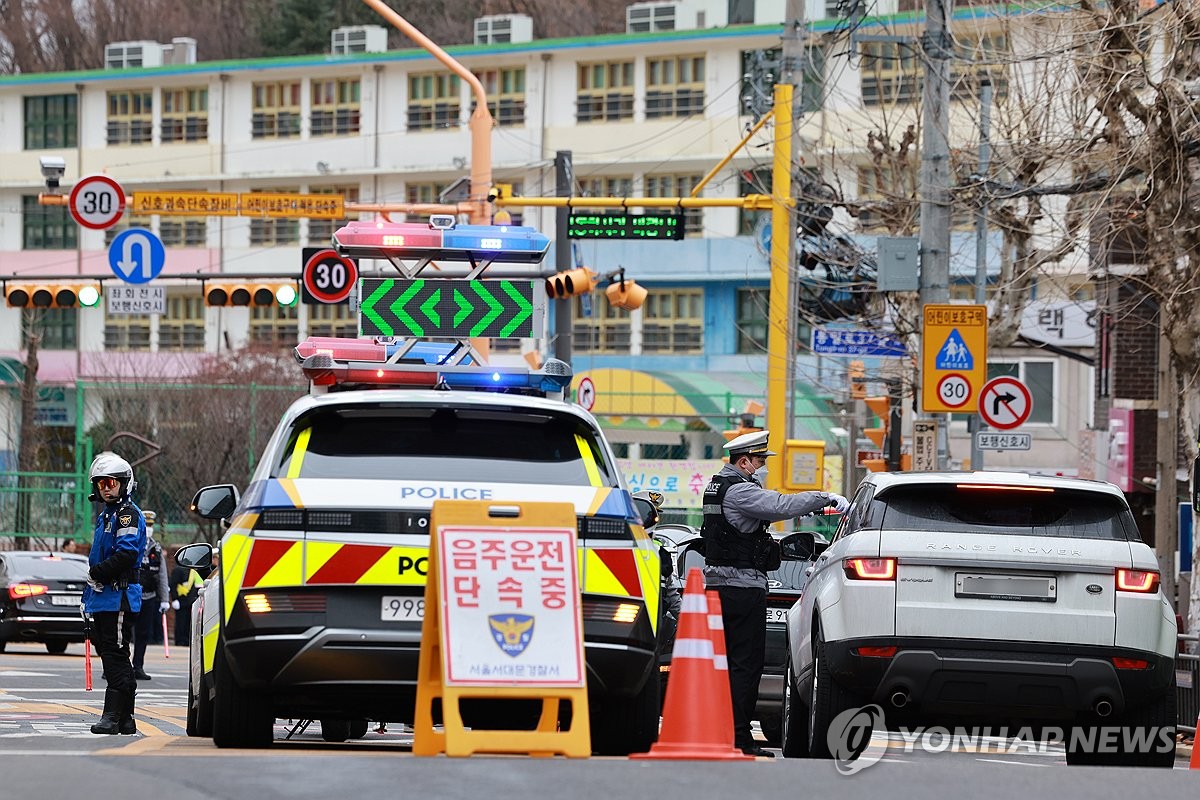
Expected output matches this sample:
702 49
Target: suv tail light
870 569
21 590
1137 580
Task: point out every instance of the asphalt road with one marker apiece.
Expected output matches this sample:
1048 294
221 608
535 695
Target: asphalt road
47 752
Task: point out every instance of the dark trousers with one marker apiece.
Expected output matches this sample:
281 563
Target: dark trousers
113 630
183 622
744 612
143 632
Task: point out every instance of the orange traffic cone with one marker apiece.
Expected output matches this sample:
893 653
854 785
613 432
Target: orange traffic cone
698 713
716 632
1194 763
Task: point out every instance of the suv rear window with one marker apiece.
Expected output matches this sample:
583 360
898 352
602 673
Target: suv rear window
1060 512
445 444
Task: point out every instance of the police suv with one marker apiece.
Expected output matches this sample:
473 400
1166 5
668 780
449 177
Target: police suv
317 610
987 596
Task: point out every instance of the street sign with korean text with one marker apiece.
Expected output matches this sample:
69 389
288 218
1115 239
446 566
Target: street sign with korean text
451 308
987 440
97 202
295 206
199 204
924 445
141 299
1005 403
137 255
953 357
841 342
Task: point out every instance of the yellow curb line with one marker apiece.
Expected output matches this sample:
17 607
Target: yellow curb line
143 726
148 744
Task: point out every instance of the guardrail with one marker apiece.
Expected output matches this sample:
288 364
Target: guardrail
1187 679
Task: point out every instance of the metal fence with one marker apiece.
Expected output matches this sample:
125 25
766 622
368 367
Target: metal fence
1187 678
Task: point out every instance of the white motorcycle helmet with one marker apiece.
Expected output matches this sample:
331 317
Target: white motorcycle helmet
110 465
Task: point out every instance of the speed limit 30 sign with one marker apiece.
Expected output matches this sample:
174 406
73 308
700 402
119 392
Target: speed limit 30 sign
954 390
97 202
328 277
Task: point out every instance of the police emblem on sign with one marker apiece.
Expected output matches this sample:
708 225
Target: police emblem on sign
126 520
511 632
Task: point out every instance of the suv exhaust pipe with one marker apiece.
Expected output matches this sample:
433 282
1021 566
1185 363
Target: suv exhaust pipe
1102 707
899 698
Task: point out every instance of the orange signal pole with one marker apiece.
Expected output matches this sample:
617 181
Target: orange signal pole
481 123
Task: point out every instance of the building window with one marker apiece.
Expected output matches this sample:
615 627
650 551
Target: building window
606 330
58 327
890 72
51 121
335 107
506 94
674 86
183 233
752 320
320 231
276 111
182 327
274 325
126 222
617 186
423 192
267 232
46 227
1039 377
126 331
334 319
673 321
434 100
979 56
753 181
130 117
604 92
185 115
678 186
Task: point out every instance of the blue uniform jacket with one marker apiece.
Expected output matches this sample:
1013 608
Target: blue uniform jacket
118 545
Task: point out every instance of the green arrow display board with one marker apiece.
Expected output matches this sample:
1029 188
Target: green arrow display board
452 309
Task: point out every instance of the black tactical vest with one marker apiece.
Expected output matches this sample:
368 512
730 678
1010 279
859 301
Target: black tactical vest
725 545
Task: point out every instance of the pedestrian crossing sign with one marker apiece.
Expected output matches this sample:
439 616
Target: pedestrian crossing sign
953 357
954 354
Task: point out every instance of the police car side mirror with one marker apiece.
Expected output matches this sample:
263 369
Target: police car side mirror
216 502
197 556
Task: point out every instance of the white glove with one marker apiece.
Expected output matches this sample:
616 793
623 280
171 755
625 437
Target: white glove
175 604
839 503
162 607
95 584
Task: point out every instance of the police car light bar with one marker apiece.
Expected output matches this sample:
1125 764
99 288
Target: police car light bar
374 351
509 244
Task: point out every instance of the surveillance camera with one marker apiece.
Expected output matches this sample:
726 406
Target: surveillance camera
441 221
53 168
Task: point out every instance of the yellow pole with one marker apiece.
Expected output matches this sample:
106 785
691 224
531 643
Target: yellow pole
699 187
779 348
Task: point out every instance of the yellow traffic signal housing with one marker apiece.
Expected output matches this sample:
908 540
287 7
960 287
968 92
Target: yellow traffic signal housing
25 295
255 294
570 283
881 407
880 464
857 375
626 294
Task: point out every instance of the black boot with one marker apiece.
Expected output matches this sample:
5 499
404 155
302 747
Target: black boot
128 727
109 723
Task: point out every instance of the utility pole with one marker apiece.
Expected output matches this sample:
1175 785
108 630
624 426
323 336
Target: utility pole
563 310
974 423
1166 534
935 170
794 53
779 345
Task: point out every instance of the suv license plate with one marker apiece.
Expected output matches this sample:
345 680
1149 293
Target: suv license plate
65 599
1033 588
777 615
403 609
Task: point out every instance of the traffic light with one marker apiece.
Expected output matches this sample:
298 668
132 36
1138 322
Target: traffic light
857 374
251 294
569 283
880 406
746 419
26 295
625 294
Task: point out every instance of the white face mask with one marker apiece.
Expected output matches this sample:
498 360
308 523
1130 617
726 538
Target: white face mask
760 475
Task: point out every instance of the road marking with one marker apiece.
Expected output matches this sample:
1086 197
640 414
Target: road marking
140 747
1018 763
16 673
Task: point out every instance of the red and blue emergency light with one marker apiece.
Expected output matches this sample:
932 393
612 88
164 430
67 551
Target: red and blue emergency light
509 244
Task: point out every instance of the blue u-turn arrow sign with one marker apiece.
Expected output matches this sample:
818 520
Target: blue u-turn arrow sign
137 255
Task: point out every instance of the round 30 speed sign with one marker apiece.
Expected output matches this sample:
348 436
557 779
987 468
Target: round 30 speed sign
328 276
954 390
97 202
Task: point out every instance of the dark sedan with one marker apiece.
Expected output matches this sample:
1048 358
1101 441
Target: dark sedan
40 594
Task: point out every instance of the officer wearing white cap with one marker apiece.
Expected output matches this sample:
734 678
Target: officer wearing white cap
739 551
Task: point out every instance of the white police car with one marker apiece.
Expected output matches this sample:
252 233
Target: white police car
987 596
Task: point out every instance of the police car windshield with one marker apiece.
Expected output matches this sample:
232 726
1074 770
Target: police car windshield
445 444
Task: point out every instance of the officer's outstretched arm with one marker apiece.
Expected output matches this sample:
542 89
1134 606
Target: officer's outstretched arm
766 504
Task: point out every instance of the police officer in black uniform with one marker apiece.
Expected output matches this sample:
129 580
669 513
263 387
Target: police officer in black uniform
739 551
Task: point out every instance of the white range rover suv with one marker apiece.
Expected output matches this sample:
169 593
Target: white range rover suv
986 597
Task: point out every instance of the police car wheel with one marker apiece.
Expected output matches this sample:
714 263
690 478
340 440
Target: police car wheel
358 728
199 713
624 725
240 718
335 730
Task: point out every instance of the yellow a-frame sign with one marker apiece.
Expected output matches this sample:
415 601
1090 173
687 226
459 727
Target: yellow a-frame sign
502 620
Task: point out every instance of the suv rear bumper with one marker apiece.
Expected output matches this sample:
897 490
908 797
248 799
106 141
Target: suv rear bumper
980 677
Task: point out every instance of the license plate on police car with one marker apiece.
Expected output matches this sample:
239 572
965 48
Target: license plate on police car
777 615
65 599
403 609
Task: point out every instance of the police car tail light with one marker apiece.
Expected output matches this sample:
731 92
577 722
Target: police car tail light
870 569
1137 580
21 590
626 612
258 603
